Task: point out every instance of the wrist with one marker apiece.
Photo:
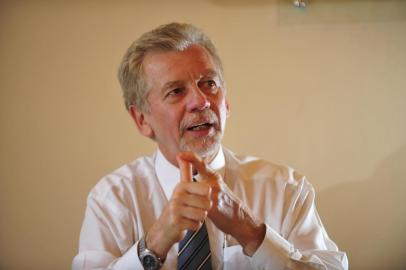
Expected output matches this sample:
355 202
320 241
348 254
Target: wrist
156 244
251 238
250 232
148 258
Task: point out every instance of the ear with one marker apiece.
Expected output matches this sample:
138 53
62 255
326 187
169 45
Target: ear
227 108
141 121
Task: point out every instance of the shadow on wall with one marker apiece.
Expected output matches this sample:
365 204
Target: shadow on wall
367 219
330 12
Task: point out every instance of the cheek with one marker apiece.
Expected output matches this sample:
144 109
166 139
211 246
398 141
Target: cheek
170 122
171 118
223 115
167 118
222 108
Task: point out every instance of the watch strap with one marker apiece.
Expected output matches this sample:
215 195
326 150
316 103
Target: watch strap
144 251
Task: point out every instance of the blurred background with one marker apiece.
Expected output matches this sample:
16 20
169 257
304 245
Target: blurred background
321 88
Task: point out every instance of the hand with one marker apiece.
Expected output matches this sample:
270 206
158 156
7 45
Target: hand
186 210
228 213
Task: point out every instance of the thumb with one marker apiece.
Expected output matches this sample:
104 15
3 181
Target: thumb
185 168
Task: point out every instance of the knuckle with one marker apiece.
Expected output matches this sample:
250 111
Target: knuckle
181 186
176 220
209 204
195 226
204 213
208 189
173 207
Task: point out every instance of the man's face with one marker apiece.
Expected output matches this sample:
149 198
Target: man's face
187 103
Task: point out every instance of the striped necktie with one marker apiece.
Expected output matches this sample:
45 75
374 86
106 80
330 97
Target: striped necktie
194 250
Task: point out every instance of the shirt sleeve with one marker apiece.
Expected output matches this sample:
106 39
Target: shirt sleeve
95 260
106 238
303 242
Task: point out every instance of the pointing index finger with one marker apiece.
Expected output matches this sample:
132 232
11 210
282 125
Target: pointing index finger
198 164
185 168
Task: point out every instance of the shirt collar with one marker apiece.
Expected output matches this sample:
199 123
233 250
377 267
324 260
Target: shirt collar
169 175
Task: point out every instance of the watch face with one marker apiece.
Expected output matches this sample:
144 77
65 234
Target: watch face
150 262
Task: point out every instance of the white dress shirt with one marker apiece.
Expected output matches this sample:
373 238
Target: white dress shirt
123 206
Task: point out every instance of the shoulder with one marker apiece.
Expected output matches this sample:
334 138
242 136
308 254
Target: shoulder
124 180
250 168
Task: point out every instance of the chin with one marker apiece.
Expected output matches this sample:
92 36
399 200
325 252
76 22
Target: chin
206 148
207 152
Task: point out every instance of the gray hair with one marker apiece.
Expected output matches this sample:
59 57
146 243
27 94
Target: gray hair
168 37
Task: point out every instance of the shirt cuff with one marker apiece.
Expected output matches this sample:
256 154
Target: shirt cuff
130 260
274 250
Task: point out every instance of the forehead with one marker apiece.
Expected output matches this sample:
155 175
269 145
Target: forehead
162 67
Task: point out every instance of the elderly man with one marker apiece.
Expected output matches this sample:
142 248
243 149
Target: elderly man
194 204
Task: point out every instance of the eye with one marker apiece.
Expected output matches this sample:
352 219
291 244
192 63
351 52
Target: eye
174 92
209 84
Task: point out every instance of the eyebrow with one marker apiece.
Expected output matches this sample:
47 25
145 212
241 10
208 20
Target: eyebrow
171 84
205 73
210 73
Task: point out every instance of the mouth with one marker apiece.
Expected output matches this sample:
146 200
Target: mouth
200 126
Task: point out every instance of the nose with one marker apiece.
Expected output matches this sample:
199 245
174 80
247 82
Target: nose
198 100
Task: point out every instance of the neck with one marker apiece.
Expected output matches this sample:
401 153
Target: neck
206 158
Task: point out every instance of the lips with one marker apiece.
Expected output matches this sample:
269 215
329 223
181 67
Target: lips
199 123
199 126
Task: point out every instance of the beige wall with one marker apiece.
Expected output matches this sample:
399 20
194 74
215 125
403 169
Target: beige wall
321 89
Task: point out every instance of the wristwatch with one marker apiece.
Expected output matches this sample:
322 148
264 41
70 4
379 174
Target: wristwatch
149 260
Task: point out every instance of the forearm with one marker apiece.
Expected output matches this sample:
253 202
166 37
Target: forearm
282 254
158 241
249 232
